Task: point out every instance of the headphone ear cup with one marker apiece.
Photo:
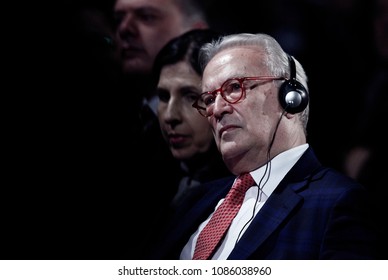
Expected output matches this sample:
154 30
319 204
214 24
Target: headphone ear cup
293 96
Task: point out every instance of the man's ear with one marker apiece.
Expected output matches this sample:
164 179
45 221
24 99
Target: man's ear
290 116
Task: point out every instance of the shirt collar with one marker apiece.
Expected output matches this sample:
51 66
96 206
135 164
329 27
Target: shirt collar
269 175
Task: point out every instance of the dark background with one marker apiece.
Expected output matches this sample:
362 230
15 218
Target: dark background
55 203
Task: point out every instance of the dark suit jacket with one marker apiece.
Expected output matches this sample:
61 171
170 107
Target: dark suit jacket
314 213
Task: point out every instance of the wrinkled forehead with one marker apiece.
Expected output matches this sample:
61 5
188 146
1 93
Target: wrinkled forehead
231 63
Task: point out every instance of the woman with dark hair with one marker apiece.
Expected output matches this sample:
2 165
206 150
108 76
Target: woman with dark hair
177 75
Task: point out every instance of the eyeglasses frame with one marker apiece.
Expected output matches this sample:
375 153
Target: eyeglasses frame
241 80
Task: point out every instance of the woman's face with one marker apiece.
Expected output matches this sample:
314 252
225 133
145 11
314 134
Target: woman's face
186 132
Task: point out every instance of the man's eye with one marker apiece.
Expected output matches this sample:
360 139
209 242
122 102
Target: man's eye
163 95
208 99
233 87
147 17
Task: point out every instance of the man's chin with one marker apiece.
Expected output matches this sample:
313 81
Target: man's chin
136 68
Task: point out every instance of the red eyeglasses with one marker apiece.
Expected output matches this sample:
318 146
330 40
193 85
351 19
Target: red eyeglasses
232 91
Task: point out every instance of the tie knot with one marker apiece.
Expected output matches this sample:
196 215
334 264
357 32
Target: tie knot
243 182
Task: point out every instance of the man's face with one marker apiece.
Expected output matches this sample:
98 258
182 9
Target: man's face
243 129
143 28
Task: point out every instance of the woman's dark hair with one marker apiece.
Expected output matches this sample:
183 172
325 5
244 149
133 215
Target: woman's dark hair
184 47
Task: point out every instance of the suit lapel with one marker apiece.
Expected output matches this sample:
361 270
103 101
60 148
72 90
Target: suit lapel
274 212
278 206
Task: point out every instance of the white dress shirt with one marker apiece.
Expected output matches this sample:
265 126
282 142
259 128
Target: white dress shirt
277 168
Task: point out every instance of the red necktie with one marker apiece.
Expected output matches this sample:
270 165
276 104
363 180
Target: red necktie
219 223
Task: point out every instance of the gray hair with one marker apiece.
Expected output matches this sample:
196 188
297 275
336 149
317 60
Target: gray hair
275 58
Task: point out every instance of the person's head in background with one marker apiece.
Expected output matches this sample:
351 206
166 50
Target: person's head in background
177 75
143 27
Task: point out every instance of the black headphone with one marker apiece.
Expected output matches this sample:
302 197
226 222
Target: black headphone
293 95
